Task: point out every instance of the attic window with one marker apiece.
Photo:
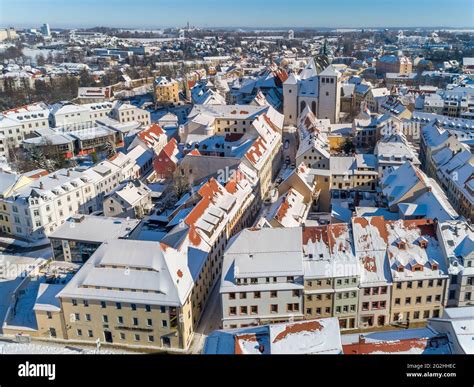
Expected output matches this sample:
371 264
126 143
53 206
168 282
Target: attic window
417 267
434 266
401 244
400 269
423 243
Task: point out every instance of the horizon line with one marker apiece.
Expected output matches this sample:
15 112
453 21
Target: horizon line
25 26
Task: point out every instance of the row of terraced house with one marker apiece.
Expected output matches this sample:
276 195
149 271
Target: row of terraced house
370 273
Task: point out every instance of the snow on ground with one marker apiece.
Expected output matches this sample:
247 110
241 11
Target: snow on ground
50 349
23 314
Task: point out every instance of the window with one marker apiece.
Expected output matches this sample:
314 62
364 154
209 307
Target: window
243 310
133 306
426 314
85 303
151 339
407 300
103 304
365 306
232 311
418 300
274 308
231 296
135 321
77 317
122 336
137 337
105 319
294 307
118 305
149 322
254 309
79 332
90 333
243 296
256 294
397 301
273 294
147 308
296 293
74 302
420 284
52 332
88 317
120 319
49 314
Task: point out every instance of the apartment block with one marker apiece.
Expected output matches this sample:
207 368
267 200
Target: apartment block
332 274
262 278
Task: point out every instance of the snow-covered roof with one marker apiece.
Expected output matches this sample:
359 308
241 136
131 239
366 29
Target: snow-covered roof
411 246
131 192
424 341
241 112
290 209
134 271
46 299
321 336
458 325
329 251
266 252
90 228
458 240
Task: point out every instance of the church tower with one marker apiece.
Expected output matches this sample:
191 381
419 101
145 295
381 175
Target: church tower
329 94
290 99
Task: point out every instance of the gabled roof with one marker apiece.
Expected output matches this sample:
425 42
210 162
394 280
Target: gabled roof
329 251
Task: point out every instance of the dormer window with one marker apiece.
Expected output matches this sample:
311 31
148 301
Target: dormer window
400 268
401 244
417 267
434 265
423 242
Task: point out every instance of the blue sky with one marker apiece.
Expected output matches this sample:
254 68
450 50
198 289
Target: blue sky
244 13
